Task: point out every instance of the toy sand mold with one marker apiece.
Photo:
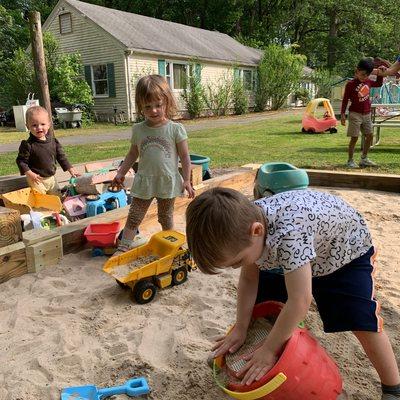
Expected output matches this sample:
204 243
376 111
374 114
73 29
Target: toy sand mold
303 371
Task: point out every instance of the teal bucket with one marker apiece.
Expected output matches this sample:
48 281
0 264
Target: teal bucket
278 177
197 159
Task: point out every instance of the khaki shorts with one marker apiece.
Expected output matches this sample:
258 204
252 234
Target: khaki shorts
46 186
359 122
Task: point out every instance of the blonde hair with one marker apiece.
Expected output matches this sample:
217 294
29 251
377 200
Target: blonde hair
35 110
152 88
218 225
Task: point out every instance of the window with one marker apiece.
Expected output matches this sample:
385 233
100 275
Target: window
65 23
99 80
176 74
248 78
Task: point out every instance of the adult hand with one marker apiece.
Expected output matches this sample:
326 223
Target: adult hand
35 177
230 342
343 120
188 187
259 363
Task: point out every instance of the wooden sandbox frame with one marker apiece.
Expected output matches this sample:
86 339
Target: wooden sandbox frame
41 248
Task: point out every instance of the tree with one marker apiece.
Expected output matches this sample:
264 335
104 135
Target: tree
193 92
279 74
64 71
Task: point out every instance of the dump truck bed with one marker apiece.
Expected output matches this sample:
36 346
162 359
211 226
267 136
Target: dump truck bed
152 259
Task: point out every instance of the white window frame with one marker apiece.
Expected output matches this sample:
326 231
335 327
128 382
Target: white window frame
96 80
252 78
170 76
60 16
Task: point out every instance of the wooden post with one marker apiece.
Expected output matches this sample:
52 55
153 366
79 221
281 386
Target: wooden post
10 227
35 27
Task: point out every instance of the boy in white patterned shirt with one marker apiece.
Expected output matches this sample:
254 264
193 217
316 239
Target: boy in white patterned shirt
291 247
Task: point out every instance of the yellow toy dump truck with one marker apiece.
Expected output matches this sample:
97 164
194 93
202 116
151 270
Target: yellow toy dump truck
162 262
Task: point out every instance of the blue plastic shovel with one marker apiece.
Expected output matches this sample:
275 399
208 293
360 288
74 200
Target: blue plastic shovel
133 387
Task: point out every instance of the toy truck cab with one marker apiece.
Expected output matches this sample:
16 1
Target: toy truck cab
163 261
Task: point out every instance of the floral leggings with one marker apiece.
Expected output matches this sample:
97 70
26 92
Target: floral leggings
139 207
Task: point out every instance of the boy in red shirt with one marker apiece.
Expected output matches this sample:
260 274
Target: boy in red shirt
357 91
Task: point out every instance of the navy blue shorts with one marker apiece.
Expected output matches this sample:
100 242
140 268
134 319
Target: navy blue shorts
345 298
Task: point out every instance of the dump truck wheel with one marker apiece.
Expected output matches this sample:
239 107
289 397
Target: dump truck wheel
144 292
179 276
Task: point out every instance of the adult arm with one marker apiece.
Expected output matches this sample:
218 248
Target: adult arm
392 70
247 294
298 286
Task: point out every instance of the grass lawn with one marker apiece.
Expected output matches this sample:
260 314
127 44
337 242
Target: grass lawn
9 135
258 142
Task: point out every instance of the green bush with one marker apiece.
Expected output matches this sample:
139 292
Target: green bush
303 95
193 94
323 80
279 73
64 73
240 98
217 97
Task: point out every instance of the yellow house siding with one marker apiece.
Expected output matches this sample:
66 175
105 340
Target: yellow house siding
96 47
140 65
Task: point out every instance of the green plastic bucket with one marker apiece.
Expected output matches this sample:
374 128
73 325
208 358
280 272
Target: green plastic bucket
198 159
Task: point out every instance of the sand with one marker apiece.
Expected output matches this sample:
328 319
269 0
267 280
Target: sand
72 324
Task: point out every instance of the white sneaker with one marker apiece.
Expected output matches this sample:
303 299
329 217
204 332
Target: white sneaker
351 164
366 162
125 245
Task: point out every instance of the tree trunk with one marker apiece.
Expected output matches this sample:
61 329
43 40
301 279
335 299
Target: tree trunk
332 38
39 63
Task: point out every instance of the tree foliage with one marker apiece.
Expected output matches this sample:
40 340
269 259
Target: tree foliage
332 34
279 74
64 72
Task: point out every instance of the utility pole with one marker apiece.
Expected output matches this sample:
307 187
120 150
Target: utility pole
35 28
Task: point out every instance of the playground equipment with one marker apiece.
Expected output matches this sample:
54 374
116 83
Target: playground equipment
385 108
24 200
102 238
312 124
161 262
204 161
53 221
75 206
277 177
110 200
133 387
303 371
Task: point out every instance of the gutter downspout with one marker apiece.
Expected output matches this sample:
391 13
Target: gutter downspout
128 53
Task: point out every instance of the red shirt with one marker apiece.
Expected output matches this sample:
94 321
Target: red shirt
358 94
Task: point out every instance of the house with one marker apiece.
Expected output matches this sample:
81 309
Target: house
118 47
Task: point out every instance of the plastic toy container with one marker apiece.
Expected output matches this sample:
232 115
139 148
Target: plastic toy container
197 159
102 235
279 177
24 200
303 371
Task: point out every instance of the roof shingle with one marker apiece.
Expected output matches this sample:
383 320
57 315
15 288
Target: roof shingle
138 32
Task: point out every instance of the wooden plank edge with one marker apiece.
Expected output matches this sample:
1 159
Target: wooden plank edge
72 234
